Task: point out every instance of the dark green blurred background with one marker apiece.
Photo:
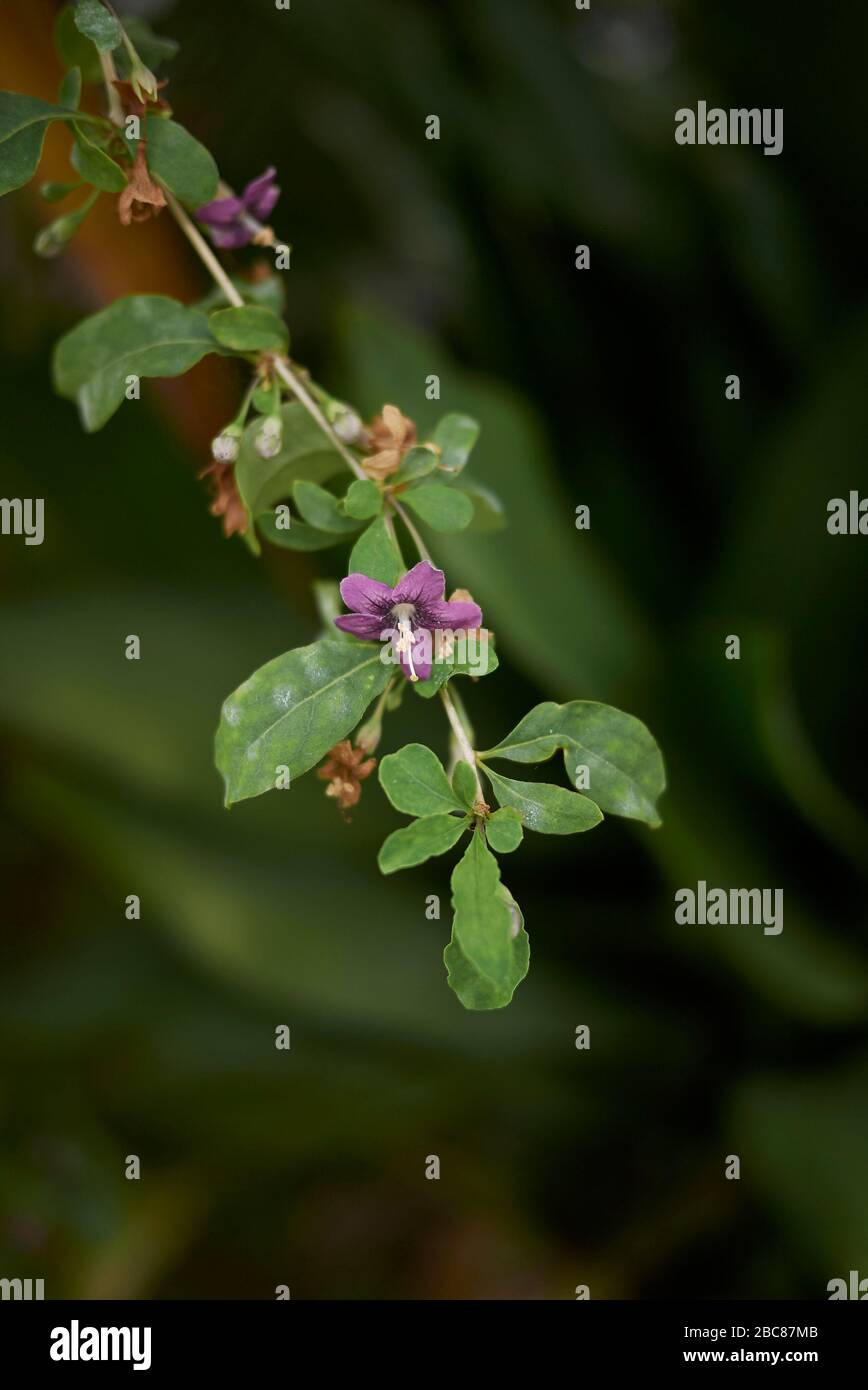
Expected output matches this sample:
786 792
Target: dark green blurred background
606 387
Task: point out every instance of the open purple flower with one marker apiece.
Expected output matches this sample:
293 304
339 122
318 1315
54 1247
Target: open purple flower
408 614
235 222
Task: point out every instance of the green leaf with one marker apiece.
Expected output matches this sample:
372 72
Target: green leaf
291 711
363 500
376 554
321 509
94 21
297 536
625 767
23 123
443 508
69 92
94 165
488 510
176 158
415 782
252 328
421 840
489 953
464 784
455 436
548 809
305 452
416 463
142 335
471 656
503 830
73 49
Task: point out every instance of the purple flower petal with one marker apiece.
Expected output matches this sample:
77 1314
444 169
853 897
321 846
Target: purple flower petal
220 212
454 616
231 238
265 203
423 585
260 195
364 595
360 625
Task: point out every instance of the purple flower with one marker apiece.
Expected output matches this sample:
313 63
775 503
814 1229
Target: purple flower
407 614
235 222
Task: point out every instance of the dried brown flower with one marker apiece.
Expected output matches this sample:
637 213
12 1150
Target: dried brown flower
142 198
227 499
391 435
345 770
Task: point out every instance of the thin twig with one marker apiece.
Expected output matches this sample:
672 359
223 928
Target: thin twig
109 76
424 553
461 738
288 376
203 250
281 366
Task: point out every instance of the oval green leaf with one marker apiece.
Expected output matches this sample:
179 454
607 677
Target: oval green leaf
489 952
23 122
96 23
625 767
442 508
464 784
250 328
421 840
415 782
184 165
503 830
548 809
455 436
291 711
321 509
363 500
376 554
141 335
94 165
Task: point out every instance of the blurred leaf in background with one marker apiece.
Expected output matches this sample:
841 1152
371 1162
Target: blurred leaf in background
602 388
